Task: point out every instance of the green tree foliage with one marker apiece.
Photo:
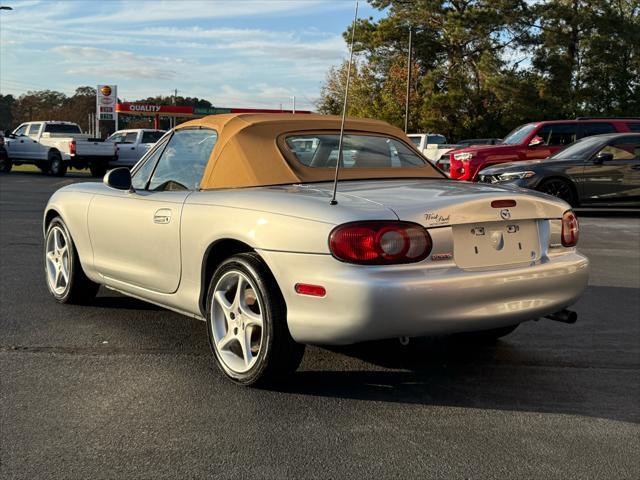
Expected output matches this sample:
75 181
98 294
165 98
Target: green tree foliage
52 105
39 105
588 54
483 67
178 100
6 112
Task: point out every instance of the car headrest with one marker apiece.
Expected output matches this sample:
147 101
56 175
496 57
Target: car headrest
371 159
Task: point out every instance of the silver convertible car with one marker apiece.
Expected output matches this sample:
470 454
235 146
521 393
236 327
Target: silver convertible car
229 219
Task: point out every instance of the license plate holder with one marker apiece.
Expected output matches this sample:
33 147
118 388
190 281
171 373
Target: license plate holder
496 243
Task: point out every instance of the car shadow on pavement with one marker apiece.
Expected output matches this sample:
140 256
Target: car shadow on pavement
448 371
588 369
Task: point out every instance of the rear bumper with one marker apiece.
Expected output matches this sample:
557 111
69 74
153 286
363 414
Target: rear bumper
368 303
93 158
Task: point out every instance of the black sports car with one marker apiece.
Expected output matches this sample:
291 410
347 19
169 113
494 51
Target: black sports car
598 170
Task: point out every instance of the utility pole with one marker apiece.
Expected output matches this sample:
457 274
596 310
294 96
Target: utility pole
172 120
294 104
2 7
409 61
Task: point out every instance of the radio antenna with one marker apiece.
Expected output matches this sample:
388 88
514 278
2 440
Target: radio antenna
344 110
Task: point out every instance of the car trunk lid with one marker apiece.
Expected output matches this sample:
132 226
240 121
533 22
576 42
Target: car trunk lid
489 226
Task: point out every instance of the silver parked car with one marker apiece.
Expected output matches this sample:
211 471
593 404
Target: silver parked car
228 219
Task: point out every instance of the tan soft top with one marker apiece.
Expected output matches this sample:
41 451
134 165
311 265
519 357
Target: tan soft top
247 154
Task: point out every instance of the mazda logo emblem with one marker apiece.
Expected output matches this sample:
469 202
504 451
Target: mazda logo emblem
505 214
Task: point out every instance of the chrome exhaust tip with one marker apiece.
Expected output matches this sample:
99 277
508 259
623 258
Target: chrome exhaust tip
564 316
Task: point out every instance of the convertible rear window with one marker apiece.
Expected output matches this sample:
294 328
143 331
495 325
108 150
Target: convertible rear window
358 151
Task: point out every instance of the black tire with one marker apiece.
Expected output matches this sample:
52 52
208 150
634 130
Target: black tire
44 167
5 164
78 289
98 169
57 166
559 188
487 336
278 355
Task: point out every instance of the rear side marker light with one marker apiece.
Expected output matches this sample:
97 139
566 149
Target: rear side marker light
380 242
503 203
310 290
570 229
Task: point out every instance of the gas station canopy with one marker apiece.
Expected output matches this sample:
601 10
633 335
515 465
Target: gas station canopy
180 111
157 111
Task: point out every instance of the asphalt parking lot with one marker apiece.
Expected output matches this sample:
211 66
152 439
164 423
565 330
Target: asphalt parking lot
123 389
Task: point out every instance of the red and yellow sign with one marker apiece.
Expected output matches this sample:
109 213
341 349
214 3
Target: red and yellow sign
106 99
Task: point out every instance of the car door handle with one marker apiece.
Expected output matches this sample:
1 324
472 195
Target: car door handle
162 216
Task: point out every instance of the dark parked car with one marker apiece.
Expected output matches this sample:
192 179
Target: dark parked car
602 169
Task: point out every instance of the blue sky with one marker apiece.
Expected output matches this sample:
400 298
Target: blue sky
234 53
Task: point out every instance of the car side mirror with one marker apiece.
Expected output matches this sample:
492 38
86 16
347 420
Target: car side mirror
603 157
536 141
118 178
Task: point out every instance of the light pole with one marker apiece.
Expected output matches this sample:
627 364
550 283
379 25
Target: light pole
294 104
406 105
3 7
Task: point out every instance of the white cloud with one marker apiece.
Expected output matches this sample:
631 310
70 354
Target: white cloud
99 61
174 10
234 53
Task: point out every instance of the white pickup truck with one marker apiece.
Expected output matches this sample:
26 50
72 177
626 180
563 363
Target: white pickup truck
132 144
435 147
56 146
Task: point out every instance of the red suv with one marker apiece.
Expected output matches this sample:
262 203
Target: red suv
533 141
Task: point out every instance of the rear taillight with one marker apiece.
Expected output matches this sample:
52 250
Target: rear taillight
72 147
380 242
570 229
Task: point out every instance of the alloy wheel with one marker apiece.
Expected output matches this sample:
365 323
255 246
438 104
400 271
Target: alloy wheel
57 260
558 188
237 321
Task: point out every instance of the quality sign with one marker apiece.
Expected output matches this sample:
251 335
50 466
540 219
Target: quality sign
106 99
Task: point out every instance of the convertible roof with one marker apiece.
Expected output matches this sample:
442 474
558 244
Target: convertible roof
247 154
